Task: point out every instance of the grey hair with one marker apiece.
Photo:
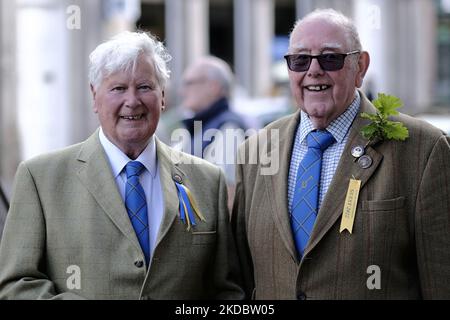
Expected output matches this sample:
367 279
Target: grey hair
339 19
122 52
218 70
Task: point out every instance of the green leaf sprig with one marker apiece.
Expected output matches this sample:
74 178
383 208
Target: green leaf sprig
381 128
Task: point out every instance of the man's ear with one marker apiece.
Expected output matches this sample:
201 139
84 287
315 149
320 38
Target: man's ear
363 65
94 94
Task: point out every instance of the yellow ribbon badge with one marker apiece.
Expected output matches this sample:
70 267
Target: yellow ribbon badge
351 201
188 207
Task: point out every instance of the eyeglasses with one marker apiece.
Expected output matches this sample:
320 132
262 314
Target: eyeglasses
328 61
192 82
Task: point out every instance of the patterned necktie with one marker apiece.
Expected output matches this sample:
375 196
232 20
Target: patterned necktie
137 205
306 196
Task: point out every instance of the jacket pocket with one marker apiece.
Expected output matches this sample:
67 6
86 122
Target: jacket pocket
383 205
203 237
384 238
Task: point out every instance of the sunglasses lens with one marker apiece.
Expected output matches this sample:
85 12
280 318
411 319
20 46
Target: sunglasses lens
331 61
298 62
327 61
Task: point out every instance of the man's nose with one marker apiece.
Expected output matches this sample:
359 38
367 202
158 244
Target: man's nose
132 99
315 69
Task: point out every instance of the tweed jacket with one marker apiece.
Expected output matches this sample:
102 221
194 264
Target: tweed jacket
68 219
400 244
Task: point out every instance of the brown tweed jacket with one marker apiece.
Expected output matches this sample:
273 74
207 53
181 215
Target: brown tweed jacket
67 216
402 222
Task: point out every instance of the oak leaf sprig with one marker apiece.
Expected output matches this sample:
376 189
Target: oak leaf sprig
381 128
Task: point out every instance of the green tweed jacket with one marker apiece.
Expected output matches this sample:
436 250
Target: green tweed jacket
67 220
400 245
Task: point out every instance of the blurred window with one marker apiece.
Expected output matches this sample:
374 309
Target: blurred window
443 42
221 30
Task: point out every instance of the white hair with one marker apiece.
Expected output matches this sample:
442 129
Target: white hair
218 70
122 52
339 19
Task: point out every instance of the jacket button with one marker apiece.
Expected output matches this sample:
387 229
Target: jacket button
301 296
139 263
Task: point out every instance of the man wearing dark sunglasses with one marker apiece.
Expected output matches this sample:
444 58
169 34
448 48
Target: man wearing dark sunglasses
288 225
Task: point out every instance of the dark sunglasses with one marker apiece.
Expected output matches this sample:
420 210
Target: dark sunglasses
299 62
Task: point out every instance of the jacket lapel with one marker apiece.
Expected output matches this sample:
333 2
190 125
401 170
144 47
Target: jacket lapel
276 184
169 171
332 206
96 176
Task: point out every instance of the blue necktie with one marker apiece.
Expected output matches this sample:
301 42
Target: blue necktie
137 205
306 195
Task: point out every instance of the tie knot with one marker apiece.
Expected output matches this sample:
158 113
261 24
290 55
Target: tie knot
320 139
133 168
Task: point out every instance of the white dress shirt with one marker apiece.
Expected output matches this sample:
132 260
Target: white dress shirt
149 179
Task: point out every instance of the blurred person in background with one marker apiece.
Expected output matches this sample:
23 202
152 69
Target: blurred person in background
297 235
120 215
206 94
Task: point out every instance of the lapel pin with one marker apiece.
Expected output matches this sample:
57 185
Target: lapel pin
365 161
177 178
357 151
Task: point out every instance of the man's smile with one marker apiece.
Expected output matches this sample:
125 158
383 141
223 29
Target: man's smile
317 88
133 117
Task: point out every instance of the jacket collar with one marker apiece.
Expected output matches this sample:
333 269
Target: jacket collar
96 175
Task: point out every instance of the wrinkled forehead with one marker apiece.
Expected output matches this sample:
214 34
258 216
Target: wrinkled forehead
319 35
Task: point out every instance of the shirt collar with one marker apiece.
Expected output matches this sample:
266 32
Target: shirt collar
338 127
118 160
